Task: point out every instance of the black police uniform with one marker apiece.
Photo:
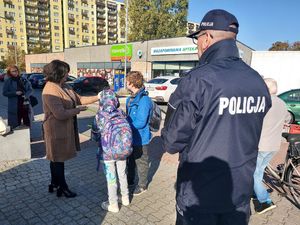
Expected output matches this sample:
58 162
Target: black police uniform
214 121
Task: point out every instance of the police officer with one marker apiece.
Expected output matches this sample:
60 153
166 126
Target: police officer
214 121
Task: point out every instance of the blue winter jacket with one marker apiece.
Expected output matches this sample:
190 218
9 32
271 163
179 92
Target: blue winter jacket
138 109
215 123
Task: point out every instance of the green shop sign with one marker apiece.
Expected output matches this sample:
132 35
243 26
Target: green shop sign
117 52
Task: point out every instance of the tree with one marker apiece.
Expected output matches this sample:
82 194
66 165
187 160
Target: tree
285 46
279 46
154 19
38 50
14 54
295 46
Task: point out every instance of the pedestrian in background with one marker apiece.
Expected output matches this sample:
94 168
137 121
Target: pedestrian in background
17 90
114 146
61 105
138 108
214 121
269 144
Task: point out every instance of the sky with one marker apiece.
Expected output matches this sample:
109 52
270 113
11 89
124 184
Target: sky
262 22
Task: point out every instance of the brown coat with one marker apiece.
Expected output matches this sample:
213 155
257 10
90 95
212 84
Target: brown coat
61 139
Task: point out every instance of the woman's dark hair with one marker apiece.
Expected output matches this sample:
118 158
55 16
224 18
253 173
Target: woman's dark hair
56 70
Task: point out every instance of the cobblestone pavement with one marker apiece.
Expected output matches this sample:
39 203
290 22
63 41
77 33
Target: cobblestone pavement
24 198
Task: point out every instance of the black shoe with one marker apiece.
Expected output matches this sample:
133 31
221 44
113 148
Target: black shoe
139 190
51 188
265 207
66 192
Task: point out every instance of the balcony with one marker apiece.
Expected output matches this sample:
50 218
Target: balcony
112 30
110 24
112 12
44 28
85 39
43 14
71 19
101 17
31 19
100 3
10 32
84 2
32 26
43 1
44 7
44 35
85 13
112 18
72 45
9 16
45 42
71 32
101 42
32 34
101 29
100 22
101 36
31 12
9 2
32 41
111 6
100 10
85 27
43 21
29 4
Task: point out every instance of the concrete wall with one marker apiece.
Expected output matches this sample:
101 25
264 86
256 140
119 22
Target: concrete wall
283 66
42 58
102 54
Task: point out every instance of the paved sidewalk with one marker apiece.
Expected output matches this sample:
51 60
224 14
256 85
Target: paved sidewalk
24 198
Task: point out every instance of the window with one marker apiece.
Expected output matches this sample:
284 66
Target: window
56 27
57 47
294 96
56 14
55 20
56 34
55 7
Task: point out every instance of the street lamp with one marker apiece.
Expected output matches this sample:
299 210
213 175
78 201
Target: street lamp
126 28
14 32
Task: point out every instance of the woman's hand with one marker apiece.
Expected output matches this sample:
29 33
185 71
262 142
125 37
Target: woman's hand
82 107
19 92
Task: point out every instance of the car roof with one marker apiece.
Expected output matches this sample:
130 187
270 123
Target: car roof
165 77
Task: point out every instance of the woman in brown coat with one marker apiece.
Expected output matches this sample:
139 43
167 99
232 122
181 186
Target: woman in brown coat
61 105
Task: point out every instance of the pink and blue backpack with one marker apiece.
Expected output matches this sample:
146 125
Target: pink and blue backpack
111 129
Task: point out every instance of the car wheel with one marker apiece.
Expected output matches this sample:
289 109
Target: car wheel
291 118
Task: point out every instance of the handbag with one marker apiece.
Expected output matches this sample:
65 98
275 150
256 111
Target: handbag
33 100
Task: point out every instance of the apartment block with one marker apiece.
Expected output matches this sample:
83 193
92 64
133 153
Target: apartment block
12 26
58 24
192 27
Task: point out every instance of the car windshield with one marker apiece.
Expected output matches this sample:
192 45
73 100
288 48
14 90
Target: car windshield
37 76
157 81
79 79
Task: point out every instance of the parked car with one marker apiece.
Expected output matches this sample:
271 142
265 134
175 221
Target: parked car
2 76
34 79
88 84
42 82
161 88
292 100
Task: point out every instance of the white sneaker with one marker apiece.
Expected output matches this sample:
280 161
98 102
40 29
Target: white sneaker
125 200
111 208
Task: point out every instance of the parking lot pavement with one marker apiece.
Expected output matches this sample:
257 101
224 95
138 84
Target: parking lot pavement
24 198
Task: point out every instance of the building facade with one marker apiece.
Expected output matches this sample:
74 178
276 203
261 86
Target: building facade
54 25
162 57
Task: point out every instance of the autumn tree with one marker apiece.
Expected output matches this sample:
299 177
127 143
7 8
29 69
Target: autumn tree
154 19
285 46
39 50
15 56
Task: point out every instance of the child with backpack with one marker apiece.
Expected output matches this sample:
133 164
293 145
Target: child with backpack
114 135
